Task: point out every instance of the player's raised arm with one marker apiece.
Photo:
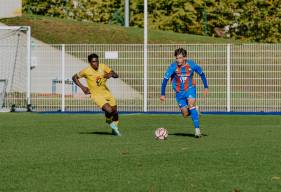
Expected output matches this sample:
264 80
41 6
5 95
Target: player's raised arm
200 72
108 72
112 74
163 89
165 80
75 79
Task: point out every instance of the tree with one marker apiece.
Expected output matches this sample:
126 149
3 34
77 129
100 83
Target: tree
256 20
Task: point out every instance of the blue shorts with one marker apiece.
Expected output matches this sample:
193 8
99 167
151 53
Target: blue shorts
182 97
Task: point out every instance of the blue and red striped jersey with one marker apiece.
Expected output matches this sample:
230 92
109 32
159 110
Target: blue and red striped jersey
182 76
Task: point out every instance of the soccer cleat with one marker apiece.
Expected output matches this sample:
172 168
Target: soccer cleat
116 132
114 128
197 133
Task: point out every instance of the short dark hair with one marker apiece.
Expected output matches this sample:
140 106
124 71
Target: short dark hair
180 51
93 55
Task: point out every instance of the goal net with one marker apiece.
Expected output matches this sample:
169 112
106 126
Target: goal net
14 70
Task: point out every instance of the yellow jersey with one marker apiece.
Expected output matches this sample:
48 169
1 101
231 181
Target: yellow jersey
95 78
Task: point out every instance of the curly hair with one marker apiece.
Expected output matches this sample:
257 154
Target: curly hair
180 51
93 55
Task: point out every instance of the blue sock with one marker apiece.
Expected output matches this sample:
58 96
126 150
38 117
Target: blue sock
194 116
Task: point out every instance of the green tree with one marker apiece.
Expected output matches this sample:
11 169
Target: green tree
256 20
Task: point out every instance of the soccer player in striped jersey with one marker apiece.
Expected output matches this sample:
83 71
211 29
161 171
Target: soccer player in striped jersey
181 73
96 75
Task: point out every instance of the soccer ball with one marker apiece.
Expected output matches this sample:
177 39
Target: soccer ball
161 133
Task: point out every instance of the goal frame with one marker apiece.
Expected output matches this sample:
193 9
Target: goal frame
26 29
3 92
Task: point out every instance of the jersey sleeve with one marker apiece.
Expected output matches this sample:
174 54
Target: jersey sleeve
169 72
196 67
82 73
200 72
106 69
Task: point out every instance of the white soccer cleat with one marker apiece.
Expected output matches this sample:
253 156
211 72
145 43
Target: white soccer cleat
115 130
197 133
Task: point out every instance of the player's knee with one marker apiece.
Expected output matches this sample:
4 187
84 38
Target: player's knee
191 106
185 115
109 111
114 112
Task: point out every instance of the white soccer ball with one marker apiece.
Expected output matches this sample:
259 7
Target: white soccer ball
161 133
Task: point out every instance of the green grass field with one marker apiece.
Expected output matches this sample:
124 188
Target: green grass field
75 152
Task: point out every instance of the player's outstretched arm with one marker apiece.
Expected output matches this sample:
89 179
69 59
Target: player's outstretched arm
163 89
205 83
75 79
200 72
169 72
111 74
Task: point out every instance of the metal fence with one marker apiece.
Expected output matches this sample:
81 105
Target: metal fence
242 78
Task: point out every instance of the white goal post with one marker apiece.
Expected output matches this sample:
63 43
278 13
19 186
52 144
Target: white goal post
3 86
15 62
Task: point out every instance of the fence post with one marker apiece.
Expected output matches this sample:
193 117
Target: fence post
28 95
145 58
127 12
228 76
63 77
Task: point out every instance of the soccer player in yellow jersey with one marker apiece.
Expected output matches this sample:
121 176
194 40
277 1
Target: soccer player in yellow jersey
96 75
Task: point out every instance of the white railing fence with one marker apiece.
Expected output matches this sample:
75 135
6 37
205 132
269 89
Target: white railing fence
242 78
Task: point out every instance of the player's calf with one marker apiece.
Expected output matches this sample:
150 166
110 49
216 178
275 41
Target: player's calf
195 119
185 112
108 117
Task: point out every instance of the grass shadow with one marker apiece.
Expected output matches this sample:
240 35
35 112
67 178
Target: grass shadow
182 134
96 133
185 134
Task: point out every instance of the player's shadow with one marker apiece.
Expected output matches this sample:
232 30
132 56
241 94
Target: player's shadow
96 133
185 134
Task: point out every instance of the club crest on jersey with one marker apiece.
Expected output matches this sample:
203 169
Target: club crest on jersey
99 81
